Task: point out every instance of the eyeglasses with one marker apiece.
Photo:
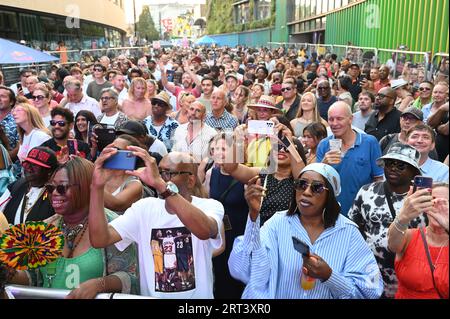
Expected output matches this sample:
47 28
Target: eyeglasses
316 187
98 69
61 188
167 175
424 89
38 97
60 123
285 89
382 96
399 165
106 98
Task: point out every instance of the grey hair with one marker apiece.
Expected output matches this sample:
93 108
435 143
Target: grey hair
111 91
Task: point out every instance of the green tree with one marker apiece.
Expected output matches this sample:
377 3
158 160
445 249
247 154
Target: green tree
145 25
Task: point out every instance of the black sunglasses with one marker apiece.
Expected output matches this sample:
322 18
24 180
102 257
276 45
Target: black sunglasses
38 97
316 187
424 89
60 123
286 89
399 165
61 189
382 96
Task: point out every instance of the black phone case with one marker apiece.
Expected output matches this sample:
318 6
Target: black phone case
300 246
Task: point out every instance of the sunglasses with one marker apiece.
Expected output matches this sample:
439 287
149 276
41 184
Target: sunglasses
424 89
382 96
316 187
60 123
98 69
323 87
167 175
61 189
400 166
38 97
158 103
286 89
106 98
30 167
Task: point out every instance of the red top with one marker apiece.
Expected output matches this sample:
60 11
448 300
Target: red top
414 273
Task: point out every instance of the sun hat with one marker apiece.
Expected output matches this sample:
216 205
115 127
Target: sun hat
266 101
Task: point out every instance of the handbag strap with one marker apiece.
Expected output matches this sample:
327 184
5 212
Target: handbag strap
225 193
388 195
430 263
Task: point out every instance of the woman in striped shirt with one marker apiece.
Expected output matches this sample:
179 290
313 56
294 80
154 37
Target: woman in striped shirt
337 260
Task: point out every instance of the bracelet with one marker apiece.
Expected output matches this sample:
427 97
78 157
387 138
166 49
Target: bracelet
102 283
398 229
397 220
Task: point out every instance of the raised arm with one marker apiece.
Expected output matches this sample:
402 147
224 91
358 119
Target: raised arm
169 86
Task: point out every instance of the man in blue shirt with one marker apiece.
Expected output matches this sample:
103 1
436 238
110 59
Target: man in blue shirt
356 161
422 137
220 118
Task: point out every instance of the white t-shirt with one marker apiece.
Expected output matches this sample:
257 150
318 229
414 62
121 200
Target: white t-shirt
35 138
123 95
87 103
147 220
110 120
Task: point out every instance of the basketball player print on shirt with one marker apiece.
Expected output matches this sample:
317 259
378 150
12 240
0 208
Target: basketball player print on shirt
173 261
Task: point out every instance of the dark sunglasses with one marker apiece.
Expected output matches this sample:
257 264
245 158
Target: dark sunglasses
159 103
382 96
60 123
316 187
168 174
424 89
286 89
38 97
399 165
61 189
323 87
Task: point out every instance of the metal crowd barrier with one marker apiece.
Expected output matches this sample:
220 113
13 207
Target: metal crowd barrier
437 60
24 292
400 57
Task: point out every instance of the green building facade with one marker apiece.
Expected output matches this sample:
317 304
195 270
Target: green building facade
421 25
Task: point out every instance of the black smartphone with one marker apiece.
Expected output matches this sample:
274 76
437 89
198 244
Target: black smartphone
421 182
170 75
105 136
19 86
284 141
122 160
300 246
72 146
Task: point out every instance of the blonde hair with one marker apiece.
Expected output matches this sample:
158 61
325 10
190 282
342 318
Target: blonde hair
316 116
34 118
133 84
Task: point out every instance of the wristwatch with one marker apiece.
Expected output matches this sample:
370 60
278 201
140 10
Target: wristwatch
171 190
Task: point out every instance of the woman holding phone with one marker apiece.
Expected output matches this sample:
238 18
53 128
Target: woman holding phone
337 262
420 276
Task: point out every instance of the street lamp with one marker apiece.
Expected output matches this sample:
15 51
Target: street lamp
135 23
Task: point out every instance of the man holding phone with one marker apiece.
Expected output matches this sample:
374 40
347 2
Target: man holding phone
178 208
62 123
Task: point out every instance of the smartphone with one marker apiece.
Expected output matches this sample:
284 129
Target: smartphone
105 136
260 127
72 146
170 74
19 86
122 160
300 246
421 182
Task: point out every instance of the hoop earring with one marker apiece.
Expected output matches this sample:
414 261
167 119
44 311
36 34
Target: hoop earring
323 216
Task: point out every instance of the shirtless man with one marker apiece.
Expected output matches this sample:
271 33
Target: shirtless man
137 106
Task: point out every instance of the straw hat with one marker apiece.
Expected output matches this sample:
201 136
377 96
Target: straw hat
266 102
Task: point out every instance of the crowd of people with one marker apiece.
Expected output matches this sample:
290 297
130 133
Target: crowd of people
259 173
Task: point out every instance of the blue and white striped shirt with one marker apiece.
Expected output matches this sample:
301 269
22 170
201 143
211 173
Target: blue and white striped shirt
266 261
225 121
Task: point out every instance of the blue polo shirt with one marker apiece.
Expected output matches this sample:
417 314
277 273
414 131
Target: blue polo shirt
357 168
437 170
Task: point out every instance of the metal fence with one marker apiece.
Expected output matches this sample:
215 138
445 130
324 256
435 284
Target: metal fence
397 60
24 292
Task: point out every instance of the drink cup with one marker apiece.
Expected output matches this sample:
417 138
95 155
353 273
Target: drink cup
307 282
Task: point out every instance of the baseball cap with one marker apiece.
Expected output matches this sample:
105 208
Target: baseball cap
414 111
231 74
401 152
42 156
354 64
133 128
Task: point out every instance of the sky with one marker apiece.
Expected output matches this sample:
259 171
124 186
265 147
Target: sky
139 3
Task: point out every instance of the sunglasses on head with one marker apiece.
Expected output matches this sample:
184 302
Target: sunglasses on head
60 123
316 186
399 165
61 188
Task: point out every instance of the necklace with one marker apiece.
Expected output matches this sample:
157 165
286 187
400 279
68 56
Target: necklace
439 254
71 232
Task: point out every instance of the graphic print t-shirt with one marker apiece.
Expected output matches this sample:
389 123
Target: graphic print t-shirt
141 222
